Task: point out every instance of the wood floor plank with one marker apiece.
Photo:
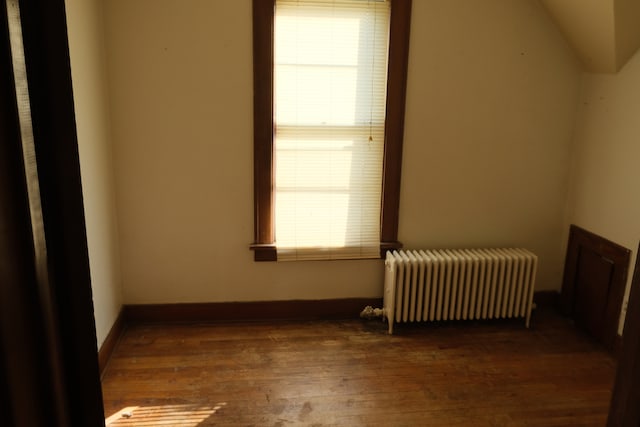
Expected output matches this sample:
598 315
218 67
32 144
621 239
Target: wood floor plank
352 373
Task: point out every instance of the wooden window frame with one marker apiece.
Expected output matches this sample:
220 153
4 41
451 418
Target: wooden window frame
263 175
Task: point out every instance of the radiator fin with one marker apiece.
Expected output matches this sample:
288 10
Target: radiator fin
458 284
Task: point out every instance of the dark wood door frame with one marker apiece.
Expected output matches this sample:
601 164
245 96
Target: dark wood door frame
580 243
49 368
625 408
29 402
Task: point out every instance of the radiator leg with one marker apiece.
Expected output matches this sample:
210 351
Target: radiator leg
527 322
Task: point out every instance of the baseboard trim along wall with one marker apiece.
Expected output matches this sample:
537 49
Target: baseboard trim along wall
110 342
345 308
249 311
546 299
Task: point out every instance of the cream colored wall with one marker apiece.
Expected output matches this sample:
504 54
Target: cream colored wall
605 33
492 90
86 46
589 25
490 111
627 15
604 191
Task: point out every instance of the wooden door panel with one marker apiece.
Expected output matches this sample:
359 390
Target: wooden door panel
595 277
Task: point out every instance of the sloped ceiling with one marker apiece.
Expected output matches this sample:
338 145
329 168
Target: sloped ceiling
604 33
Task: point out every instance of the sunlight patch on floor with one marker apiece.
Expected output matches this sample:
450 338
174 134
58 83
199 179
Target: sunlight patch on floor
166 415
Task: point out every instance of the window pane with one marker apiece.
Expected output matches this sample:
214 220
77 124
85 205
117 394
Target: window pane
330 94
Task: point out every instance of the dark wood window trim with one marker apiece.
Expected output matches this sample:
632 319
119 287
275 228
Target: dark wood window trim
264 234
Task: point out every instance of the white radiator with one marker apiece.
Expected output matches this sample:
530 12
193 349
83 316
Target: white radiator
458 284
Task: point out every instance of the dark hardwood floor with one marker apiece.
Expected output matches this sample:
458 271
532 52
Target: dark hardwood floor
351 373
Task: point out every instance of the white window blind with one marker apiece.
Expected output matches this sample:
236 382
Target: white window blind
330 72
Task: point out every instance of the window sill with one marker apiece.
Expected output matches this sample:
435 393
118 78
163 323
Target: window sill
264 252
389 246
268 252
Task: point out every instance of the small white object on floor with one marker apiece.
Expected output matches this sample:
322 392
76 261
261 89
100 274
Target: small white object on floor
370 313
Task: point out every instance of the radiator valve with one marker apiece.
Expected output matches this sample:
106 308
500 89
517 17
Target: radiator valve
371 313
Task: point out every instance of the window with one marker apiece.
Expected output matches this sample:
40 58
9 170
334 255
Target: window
327 150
